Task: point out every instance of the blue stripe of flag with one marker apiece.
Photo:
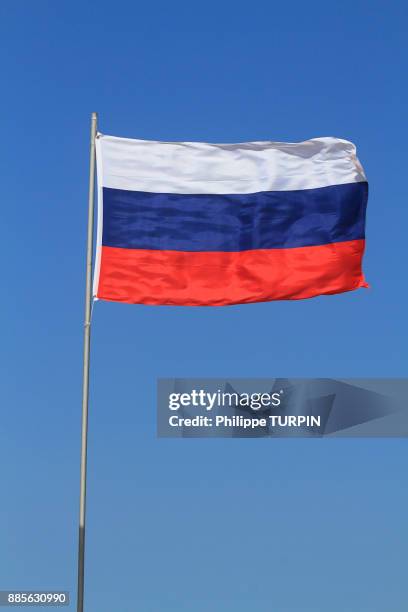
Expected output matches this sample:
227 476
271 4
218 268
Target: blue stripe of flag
234 222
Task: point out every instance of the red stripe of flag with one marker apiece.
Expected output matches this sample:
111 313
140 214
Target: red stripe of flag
140 276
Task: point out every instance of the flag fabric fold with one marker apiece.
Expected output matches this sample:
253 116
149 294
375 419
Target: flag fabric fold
191 223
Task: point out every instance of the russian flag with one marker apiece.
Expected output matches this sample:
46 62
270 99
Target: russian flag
193 224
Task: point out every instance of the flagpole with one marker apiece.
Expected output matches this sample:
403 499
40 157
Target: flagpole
85 384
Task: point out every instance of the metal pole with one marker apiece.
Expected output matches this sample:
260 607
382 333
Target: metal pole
85 384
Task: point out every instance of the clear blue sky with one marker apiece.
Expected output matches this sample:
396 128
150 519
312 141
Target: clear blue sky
195 525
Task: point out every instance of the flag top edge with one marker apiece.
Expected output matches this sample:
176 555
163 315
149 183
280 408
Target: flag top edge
265 143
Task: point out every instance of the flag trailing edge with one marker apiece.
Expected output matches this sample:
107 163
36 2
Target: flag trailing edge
191 223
